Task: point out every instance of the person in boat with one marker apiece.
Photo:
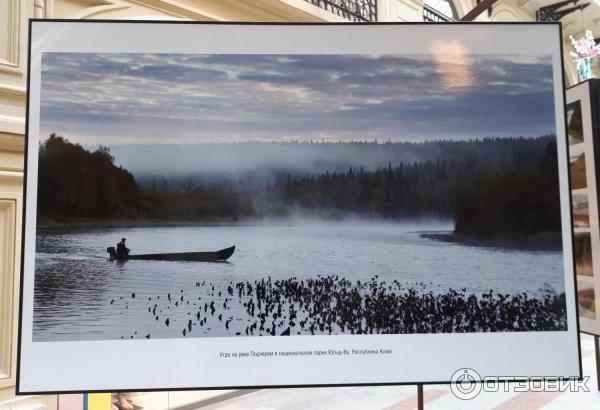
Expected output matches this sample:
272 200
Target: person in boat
122 250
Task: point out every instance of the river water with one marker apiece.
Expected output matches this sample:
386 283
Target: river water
81 295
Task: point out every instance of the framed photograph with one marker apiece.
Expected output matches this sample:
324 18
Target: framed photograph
584 142
391 198
581 210
586 296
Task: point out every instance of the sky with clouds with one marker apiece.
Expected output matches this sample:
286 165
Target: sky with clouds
181 98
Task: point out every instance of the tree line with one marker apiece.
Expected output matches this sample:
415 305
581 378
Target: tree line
78 183
406 190
515 202
74 183
515 193
484 199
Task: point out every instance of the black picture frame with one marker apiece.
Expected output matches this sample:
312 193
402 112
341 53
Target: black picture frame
21 391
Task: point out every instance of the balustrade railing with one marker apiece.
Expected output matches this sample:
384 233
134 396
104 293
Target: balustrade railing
432 15
352 10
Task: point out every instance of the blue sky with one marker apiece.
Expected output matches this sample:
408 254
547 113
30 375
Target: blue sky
183 98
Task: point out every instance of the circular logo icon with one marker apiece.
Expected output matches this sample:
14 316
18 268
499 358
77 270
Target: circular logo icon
465 384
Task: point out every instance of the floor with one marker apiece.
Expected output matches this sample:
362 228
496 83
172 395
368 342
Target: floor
436 397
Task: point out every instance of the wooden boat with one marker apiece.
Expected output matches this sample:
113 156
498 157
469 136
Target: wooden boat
217 256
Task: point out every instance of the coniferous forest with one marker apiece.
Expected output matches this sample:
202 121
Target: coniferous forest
516 192
269 194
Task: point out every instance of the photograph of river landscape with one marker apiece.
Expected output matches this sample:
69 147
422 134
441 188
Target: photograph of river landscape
364 194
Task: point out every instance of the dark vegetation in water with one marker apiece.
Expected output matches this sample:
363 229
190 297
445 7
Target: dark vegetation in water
517 192
330 305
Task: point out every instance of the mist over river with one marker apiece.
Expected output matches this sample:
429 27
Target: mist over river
81 295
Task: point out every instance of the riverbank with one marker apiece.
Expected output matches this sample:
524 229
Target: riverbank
86 223
296 218
545 241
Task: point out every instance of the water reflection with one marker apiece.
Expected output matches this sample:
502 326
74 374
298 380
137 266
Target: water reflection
81 295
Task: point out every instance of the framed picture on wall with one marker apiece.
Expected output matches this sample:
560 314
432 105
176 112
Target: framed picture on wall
583 142
295 204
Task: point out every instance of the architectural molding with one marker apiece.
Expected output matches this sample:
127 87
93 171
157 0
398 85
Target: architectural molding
177 9
91 12
504 11
39 9
11 181
207 10
135 9
399 10
462 7
12 160
8 288
13 64
43 9
10 23
12 143
299 10
12 125
197 10
13 90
